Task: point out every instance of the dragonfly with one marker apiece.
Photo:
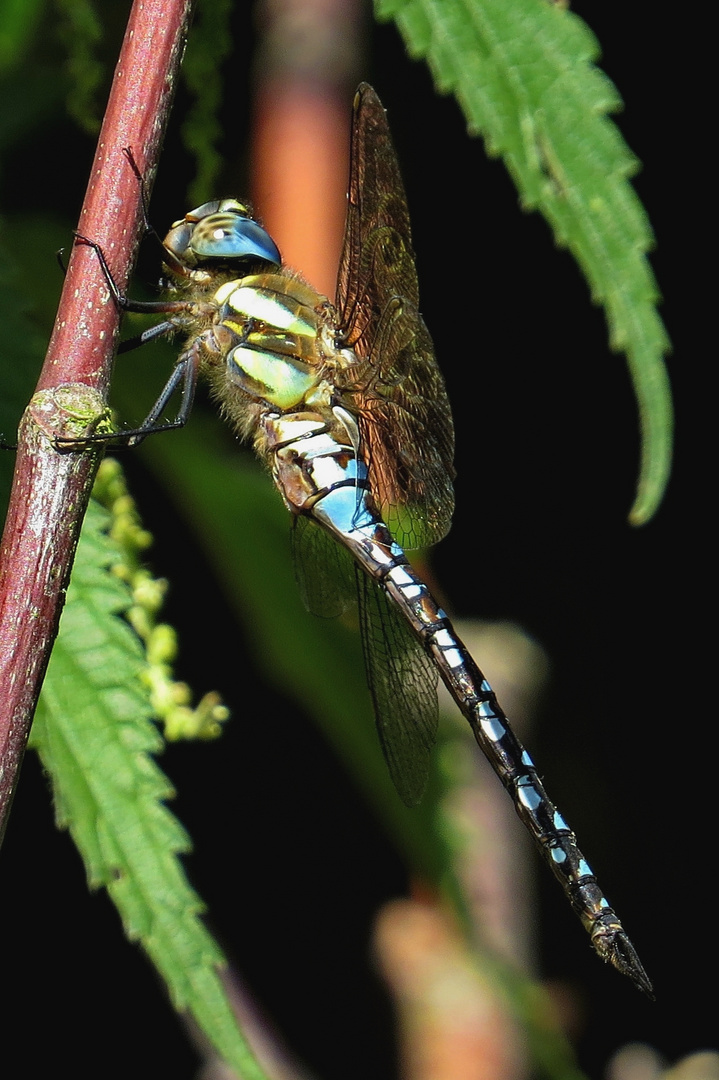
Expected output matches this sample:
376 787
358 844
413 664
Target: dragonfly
346 406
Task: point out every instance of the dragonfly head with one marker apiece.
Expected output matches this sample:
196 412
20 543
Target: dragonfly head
220 233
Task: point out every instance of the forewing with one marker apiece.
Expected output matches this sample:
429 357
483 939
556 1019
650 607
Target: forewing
403 685
395 388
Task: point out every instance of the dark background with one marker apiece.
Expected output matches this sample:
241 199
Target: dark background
547 453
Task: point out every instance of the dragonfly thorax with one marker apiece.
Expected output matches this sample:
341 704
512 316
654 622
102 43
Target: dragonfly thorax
272 330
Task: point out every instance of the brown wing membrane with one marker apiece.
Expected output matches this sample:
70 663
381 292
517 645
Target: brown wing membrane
396 388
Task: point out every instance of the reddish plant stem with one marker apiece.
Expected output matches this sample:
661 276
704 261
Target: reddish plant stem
51 489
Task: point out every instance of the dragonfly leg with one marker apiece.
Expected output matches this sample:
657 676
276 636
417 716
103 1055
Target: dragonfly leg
127 151
184 374
171 260
147 307
168 326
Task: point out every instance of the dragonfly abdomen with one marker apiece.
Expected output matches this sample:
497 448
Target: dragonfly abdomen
341 503
515 768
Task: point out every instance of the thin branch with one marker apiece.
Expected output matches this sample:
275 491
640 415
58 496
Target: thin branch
51 488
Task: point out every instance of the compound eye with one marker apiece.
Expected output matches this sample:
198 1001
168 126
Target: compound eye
231 236
232 205
179 238
206 209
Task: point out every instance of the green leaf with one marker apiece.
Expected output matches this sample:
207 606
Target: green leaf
95 737
523 73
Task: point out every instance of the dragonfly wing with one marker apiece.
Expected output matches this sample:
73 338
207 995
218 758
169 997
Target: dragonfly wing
406 429
376 200
395 388
401 678
324 570
403 685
